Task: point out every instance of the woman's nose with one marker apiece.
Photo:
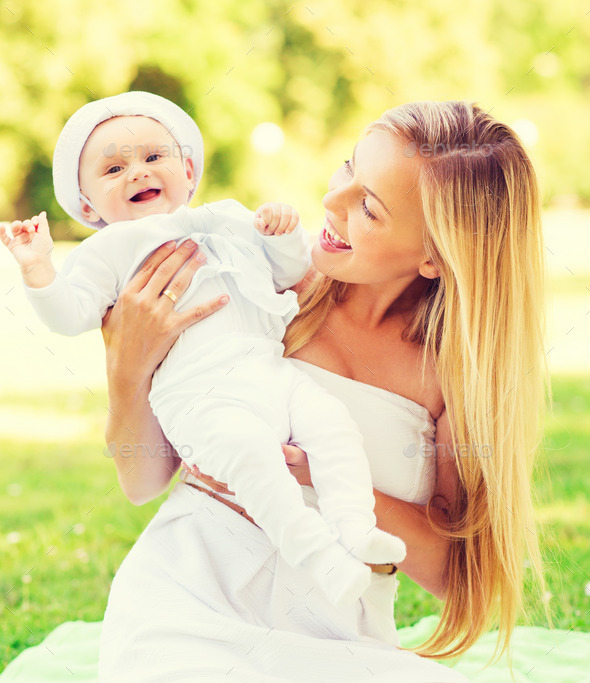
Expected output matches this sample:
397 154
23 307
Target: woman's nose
337 197
335 200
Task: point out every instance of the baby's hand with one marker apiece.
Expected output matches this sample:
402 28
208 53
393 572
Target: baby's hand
276 219
29 241
31 245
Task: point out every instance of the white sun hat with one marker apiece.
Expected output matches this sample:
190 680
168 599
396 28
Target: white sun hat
77 130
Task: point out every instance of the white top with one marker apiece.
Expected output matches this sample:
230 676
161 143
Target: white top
398 435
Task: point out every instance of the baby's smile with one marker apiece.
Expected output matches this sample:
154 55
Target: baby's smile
146 195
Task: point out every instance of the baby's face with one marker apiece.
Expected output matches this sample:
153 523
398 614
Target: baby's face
132 167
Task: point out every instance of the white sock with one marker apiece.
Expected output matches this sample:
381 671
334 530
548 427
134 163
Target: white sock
341 576
370 544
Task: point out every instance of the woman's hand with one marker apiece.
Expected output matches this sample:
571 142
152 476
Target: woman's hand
296 460
217 486
138 333
142 326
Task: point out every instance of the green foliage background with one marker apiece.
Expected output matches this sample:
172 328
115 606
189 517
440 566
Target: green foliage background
320 69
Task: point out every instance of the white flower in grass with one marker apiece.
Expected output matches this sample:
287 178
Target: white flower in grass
14 490
27 578
82 555
547 595
13 537
587 588
79 529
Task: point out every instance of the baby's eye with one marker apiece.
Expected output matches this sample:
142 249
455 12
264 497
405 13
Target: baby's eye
348 166
154 157
114 169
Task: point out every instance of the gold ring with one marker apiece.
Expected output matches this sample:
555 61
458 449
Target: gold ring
170 294
382 568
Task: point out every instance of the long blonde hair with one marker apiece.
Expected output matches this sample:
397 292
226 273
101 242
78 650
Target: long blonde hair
482 322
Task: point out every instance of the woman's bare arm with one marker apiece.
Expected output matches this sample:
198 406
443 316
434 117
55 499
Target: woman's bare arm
426 557
138 333
144 458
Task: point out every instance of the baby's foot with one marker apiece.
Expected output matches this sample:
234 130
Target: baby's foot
370 544
341 576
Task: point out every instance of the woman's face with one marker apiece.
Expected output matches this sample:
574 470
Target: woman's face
374 223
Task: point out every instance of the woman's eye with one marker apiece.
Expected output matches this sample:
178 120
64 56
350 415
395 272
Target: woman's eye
114 169
367 213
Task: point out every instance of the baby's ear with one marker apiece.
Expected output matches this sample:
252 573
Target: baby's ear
189 168
89 212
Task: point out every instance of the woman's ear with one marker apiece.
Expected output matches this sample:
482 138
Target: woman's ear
428 270
89 212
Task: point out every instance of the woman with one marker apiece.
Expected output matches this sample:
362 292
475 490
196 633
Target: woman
426 318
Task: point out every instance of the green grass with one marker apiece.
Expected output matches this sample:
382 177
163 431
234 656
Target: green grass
66 526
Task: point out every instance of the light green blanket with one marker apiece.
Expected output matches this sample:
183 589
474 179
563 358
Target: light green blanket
70 653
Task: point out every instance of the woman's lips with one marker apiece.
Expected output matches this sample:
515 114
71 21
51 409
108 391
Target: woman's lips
145 195
331 241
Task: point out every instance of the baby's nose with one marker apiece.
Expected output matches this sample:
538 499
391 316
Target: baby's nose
138 171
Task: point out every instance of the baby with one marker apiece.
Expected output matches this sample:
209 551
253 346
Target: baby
224 395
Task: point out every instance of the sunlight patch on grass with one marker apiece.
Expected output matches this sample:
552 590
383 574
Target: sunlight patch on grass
569 512
42 426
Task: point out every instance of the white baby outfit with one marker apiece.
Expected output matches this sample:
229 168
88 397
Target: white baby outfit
224 395
204 596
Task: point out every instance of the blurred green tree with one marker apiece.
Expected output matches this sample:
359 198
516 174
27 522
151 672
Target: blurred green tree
320 70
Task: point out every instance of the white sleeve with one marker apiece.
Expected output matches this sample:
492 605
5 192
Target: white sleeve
288 255
78 298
